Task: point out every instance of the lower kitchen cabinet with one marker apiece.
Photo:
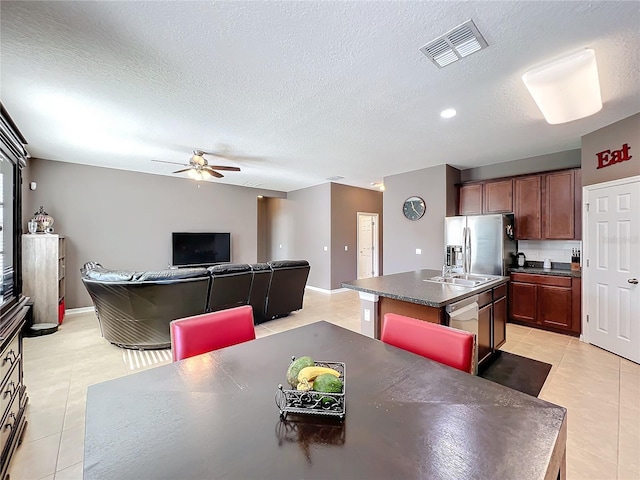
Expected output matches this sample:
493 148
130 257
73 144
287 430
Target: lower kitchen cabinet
492 321
499 316
483 342
545 301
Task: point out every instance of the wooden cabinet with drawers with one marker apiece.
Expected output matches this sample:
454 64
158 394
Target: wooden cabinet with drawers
13 395
546 301
492 321
43 275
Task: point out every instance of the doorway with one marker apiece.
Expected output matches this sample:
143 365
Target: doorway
368 235
611 293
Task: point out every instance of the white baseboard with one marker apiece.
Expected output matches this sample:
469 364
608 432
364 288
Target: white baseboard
79 311
324 290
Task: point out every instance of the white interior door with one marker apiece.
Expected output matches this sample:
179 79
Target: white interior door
367 245
613 270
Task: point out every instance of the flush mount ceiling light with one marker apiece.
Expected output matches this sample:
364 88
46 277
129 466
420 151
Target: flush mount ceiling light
566 89
448 113
378 185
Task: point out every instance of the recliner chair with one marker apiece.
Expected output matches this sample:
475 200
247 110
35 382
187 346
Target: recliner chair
230 285
286 290
259 289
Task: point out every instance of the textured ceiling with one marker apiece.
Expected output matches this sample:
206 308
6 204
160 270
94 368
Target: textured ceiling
300 91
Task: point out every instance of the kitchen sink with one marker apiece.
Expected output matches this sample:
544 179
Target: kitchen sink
462 279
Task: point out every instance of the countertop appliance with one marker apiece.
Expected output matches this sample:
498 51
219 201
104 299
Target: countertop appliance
521 259
463 315
480 243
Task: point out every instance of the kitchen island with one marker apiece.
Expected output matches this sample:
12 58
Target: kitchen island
413 295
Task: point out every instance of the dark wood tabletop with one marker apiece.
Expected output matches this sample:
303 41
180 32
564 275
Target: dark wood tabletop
214 416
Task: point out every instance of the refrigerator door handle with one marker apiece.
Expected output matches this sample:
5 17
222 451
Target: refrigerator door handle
467 250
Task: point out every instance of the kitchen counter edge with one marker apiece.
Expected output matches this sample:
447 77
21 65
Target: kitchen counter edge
441 295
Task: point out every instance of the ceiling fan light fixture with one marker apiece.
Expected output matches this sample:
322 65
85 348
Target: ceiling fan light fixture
198 159
566 89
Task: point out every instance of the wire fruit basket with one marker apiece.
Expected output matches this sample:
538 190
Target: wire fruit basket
312 402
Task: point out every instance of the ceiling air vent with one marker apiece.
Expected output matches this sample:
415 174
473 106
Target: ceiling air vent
458 43
335 178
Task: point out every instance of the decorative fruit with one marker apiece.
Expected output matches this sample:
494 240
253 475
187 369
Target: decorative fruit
294 369
310 373
304 386
327 383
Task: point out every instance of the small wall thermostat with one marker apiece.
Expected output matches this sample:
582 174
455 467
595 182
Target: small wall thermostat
33 185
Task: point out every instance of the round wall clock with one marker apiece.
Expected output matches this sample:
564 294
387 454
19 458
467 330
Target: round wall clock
414 208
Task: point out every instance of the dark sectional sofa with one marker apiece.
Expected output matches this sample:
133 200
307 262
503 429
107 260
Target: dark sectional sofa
134 308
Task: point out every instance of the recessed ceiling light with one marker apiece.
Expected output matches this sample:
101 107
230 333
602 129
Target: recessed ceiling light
448 113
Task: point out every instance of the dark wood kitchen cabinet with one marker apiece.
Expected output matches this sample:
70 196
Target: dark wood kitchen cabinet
470 199
558 207
499 316
545 301
498 197
483 341
528 207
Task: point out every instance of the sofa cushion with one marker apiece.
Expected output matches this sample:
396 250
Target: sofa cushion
229 268
108 275
288 263
170 274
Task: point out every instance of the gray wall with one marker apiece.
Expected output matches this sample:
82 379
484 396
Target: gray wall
401 236
523 166
280 229
124 219
310 229
611 137
346 202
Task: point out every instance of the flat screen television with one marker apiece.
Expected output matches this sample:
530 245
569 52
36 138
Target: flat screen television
200 248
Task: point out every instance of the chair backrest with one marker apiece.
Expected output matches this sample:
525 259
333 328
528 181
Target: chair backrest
230 286
286 290
449 346
211 331
259 289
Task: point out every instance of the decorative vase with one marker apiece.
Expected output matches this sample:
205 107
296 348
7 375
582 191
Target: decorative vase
43 220
33 226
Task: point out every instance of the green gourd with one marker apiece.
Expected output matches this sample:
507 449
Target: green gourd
295 367
327 383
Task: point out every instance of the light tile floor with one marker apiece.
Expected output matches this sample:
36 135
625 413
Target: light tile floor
600 390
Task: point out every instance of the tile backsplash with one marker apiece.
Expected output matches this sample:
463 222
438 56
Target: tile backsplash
556 250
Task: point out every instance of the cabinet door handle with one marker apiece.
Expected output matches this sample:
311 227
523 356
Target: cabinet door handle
11 389
11 360
10 423
633 281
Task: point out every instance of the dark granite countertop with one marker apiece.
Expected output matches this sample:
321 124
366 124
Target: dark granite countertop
411 287
538 270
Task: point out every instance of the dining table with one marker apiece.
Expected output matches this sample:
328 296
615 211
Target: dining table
406 417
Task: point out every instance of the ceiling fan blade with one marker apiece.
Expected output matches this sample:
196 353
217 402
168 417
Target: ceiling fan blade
213 172
164 161
183 170
222 167
213 154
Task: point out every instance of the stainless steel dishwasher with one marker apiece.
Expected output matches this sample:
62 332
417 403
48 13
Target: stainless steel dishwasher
463 315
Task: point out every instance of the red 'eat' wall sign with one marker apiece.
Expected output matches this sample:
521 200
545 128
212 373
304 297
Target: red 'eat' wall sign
611 157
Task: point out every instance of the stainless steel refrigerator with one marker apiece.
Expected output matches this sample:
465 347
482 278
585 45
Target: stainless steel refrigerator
480 243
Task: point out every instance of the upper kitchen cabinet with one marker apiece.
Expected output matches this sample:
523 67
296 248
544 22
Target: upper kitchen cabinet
498 197
527 207
558 208
548 206
470 199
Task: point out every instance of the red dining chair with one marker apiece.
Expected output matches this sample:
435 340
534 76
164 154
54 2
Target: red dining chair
446 345
211 331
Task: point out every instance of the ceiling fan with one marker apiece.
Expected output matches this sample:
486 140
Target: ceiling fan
198 167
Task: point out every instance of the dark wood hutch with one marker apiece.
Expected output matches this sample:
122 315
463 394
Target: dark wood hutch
13 309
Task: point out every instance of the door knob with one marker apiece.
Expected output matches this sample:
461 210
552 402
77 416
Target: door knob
633 281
